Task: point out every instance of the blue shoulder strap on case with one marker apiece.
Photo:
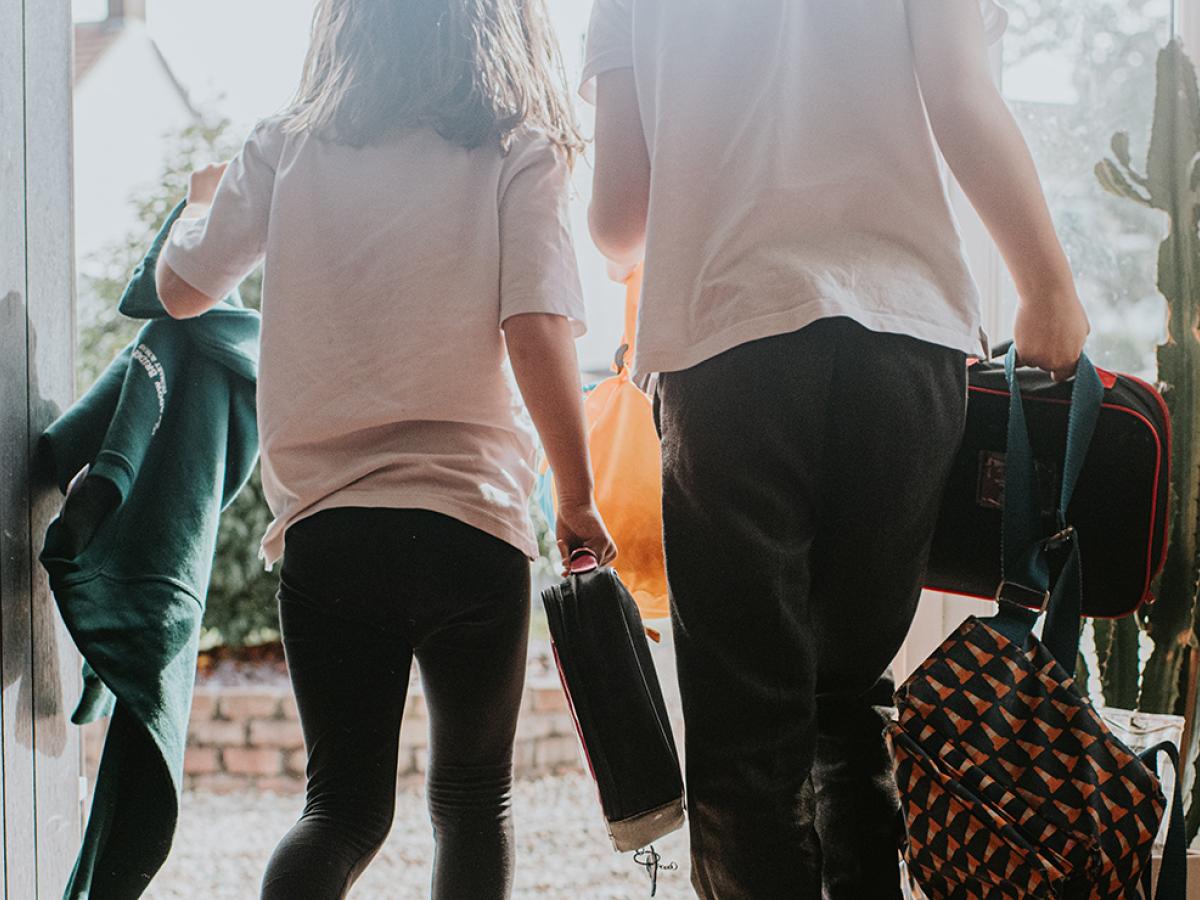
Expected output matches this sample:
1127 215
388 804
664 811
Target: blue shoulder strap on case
1026 574
1025 565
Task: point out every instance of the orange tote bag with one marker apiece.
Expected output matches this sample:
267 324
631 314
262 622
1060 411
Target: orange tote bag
627 465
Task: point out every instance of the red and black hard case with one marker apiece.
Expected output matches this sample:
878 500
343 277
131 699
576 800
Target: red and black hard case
1120 507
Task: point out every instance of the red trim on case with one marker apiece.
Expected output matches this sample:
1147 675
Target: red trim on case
1166 413
575 718
1152 571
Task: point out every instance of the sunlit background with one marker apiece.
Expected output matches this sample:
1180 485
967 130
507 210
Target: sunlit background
240 60
170 75
1075 71
157 85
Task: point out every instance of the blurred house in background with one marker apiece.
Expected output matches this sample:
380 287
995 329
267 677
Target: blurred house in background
128 108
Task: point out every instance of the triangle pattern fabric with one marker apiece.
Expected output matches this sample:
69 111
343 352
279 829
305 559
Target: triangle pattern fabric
1036 798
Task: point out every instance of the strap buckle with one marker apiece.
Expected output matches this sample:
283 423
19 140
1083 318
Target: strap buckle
1020 595
1056 541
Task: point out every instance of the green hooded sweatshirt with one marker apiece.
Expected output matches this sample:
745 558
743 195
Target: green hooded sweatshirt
169 437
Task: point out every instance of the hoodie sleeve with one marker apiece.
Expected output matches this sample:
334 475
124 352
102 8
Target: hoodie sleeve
156 363
112 426
75 438
96 701
140 300
241 453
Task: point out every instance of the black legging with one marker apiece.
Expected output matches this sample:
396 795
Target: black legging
362 592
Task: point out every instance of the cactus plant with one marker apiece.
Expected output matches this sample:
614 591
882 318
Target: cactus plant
1119 656
1171 183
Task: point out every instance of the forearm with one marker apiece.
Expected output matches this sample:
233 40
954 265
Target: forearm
988 155
542 351
179 299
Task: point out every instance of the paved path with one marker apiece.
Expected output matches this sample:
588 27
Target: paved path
563 851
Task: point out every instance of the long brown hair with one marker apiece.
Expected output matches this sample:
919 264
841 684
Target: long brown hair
473 70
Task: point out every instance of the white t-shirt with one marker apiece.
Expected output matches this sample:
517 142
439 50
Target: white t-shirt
389 269
793 173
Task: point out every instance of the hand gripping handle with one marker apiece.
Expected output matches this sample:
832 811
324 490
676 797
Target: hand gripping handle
583 561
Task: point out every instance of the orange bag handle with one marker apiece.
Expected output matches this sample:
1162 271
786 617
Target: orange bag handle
622 362
633 293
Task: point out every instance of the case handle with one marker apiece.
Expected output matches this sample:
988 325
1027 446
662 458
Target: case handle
582 561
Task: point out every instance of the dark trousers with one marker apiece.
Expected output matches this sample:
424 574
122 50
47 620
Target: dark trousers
362 592
802 478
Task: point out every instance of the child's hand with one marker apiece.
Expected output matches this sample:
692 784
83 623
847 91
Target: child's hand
579 526
1050 334
202 185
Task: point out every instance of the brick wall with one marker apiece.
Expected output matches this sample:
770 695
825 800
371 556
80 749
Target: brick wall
243 738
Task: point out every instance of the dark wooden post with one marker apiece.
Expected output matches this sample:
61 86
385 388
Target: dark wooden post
39 752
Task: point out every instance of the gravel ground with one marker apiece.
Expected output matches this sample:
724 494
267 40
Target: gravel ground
223 842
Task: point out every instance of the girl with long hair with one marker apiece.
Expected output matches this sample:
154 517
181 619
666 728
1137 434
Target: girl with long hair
420 280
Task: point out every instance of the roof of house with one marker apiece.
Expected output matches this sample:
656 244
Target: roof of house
94 39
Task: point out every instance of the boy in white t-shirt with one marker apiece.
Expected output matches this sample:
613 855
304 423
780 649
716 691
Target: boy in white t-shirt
809 309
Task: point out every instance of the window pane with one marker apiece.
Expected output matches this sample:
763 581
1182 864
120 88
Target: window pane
1076 72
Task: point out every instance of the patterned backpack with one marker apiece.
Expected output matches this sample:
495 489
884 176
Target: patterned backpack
1011 785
